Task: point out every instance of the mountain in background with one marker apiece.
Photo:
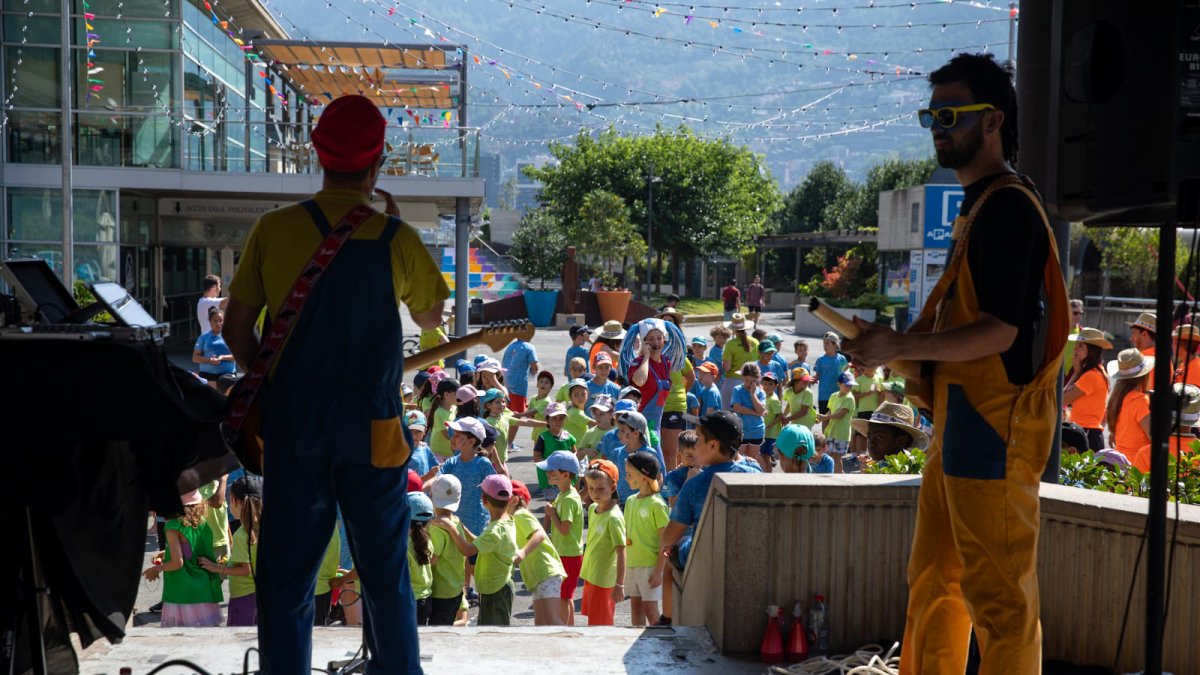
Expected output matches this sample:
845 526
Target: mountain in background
778 77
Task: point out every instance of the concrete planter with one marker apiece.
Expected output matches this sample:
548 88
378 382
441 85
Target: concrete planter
807 324
540 307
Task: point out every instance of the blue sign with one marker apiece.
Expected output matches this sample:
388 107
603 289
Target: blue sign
941 208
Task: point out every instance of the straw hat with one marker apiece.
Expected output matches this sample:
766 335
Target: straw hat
894 415
739 322
670 311
1187 414
1130 364
1147 321
611 330
1091 336
1186 333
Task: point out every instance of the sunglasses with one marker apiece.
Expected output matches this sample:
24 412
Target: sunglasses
947 117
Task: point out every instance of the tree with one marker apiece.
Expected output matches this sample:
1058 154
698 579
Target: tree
604 235
1130 256
860 208
539 246
804 207
713 197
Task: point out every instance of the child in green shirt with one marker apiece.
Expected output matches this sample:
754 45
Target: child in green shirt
578 422
449 564
836 423
603 570
420 554
441 414
542 570
495 406
799 403
245 503
773 419
646 515
564 522
495 549
577 369
589 447
191 594
553 439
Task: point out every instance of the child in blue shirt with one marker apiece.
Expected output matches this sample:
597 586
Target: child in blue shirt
709 394
470 468
826 370
820 462
423 461
579 338
749 401
601 384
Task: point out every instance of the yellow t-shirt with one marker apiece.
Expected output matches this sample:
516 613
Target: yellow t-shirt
430 339
677 398
329 564
282 242
738 356
797 401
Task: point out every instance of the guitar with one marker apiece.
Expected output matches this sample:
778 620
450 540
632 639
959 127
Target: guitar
247 443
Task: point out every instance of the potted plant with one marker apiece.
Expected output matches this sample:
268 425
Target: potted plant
539 250
604 236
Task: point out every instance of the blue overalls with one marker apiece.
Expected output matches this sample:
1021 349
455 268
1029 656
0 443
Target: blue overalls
652 406
334 436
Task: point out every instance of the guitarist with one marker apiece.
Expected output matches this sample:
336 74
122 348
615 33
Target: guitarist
992 334
332 429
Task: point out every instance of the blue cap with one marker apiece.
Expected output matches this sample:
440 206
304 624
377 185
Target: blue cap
847 378
420 507
796 442
625 406
420 379
479 358
698 340
629 390
464 367
491 395
560 461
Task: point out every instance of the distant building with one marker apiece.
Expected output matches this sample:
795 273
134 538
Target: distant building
528 188
489 171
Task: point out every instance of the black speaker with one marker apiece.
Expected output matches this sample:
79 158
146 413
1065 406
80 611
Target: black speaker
1109 95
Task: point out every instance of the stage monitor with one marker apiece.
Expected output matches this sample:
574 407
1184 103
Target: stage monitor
122 306
41 293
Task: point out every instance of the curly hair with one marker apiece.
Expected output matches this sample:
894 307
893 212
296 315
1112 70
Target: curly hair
193 514
989 82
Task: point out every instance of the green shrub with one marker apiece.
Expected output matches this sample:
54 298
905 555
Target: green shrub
906 462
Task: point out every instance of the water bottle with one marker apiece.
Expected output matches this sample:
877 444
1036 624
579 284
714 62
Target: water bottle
818 628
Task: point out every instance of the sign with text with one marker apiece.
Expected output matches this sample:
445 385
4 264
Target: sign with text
941 208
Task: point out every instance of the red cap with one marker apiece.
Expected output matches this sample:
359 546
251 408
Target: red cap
349 134
414 481
521 490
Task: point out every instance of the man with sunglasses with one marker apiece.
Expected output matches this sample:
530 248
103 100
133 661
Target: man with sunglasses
991 337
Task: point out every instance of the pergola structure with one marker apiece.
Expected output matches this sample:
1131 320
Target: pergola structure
803 240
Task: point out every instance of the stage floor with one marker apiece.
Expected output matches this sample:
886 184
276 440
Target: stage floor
493 650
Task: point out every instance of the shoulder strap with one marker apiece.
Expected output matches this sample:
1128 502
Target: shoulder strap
302 287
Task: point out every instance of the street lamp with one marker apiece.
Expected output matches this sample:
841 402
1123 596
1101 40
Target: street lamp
651 179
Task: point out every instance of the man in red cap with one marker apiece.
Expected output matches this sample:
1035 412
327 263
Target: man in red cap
332 416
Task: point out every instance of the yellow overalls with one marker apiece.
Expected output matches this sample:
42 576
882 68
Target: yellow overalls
975 548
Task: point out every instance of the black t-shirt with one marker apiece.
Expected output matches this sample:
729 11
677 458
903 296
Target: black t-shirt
1007 257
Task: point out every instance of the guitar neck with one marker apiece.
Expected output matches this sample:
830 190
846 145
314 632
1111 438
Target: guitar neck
428 357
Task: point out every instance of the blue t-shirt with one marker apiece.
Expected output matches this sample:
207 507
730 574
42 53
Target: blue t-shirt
799 364
715 355
693 402
214 345
519 356
775 367
423 459
828 368
749 465
470 474
753 426
778 359
824 465
596 388
573 352
710 400
695 491
674 481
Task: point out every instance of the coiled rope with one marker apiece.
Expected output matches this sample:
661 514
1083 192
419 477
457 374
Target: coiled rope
866 660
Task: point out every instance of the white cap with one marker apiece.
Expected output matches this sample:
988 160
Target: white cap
469 425
446 492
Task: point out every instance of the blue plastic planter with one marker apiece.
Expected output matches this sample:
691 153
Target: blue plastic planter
540 307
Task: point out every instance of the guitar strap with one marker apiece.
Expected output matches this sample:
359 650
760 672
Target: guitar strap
250 386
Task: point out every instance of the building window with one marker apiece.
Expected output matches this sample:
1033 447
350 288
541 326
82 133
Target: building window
35 229
34 137
915 218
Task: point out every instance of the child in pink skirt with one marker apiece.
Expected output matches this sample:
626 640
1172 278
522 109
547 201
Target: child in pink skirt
191 594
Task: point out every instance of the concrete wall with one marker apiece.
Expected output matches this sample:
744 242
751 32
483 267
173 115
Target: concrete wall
896 218
777 538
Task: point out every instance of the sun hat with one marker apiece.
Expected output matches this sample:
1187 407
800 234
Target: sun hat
738 321
602 357
722 425
415 419
414 482
1091 336
607 467
710 368
796 442
1187 411
349 134
191 498
624 406
469 425
466 394
490 395
1147 321
479 358
490 365
560 460
767 347
611 330
420 507
547 375
846 378
1130 364
1186 333
802 375
895 415
521 490
832 337
446 492
603 402
577 382
670 310
555 409
699 340
497 486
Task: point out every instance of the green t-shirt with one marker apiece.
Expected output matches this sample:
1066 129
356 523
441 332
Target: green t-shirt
420 575
502 424
797 401
450 572
644 519
606 533
570 509
439 444
738 356
577 422
592 438
677 398
497 548
329 565
774 410
538 405
191 584
217 519
543 562
563 395
867 383
242 551
839 429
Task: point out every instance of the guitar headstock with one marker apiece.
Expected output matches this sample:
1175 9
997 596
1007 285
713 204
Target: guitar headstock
498 334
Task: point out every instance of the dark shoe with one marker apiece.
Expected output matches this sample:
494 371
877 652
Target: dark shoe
156 608
472 597
663 621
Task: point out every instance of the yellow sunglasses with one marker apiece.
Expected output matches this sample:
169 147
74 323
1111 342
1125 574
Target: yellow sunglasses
947 117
